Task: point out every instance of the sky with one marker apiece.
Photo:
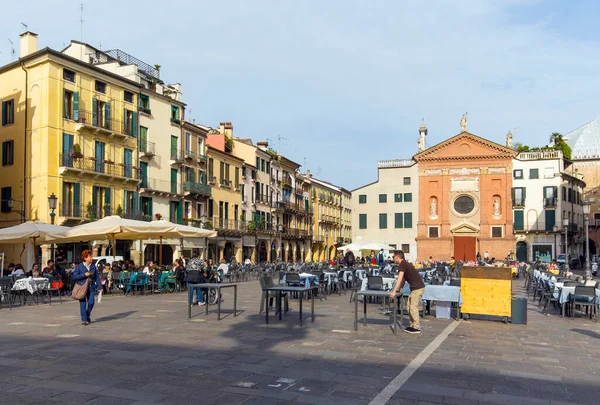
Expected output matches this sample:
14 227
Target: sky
338 85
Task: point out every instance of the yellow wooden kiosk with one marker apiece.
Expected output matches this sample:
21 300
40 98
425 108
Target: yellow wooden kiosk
486 291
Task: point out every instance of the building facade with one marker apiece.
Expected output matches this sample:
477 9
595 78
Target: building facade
545 191
386 211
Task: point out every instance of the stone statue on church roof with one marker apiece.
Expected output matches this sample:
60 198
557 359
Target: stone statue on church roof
509 140
463 122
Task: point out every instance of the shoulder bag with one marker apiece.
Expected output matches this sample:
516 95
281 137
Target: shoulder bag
80 290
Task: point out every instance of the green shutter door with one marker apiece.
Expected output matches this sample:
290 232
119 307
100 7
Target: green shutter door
76 200
143 139
94 200
134 124
174 181
173 146
128 161
107 207
99 155
144 174
135 202
407 219
179 212
362 221
125 201
67 147
76 106
382 221
518 221
125 122
550 219
107 123
398 223
94 112
65 112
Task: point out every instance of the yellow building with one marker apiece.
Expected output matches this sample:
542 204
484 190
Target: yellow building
72 130
224 207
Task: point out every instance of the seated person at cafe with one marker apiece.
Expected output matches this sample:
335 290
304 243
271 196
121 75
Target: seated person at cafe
49 268
15 270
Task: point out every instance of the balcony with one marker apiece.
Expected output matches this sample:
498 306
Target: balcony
198 189
518 202
100 123
388 164
158 187
147 149
329 219
176 156
262 199
201 158
97 167
294 233
540 155
550 202
286 181
225 183
228 226
318 238
189 154
137 215
71 211
212 180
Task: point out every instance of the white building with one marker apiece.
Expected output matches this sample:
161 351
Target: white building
545 191
386 211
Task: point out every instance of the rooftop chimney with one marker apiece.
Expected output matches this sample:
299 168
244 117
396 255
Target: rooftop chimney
28 44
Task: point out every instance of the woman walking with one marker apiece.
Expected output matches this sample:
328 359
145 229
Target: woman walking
86 270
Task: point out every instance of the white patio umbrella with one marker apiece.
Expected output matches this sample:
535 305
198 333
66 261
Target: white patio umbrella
30 233
352 246
181 232
376 246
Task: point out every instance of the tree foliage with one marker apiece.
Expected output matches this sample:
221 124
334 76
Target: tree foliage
557 141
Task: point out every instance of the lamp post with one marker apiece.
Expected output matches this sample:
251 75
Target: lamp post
280 229
586 212
52 205
325 247
566 226
555 230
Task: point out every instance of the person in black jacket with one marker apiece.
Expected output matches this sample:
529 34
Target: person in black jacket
349 259
195 275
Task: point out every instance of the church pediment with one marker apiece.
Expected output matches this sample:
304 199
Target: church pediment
465 146
465 229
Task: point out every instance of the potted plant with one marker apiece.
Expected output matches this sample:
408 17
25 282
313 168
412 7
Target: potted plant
251 226
108 161
76 152
158 216
90 211
119 211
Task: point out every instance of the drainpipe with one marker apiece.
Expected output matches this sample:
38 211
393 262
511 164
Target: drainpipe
25 143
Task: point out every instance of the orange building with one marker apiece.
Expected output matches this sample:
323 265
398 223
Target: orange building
465 199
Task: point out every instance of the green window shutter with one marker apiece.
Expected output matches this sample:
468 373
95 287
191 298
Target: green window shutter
408 219
134 124
66 149
107 207
95 197
143 139
76 200
125 121
382 221
134 204
518 224
407 198
94 112
173 146
174 181
362 221
398 223
179 212
12 110
65 115
107 123
550 219
4 113
150 206
76 106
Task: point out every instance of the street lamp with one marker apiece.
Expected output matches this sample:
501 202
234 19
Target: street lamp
325 247
52 205
586 212
555 230
566 226
280 230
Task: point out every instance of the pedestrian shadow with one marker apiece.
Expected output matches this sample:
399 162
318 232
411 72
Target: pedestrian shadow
225 312
586 332
116 317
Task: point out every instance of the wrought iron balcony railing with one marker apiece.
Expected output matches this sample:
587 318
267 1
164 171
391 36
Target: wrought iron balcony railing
197 188
99 166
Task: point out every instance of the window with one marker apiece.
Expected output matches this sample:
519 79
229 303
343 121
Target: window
382 198
174 181
68 104
407 181
398 222
362 221
398 197
518 196
69 75
464 205
175 114
100 87
128 96
362 199
518 223
8 112
130 123
534 173
434 231
262 165
6 195
406 248
145 103
8 153
564 193
408 219
407 197
382 221
550 194
517 174
496 231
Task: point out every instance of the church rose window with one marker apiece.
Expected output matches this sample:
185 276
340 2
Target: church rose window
464 204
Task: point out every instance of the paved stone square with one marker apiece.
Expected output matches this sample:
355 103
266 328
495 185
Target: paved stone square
144 349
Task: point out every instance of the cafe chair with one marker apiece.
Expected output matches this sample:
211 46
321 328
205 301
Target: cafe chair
584 296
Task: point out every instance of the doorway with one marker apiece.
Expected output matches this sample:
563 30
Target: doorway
465 248
521 251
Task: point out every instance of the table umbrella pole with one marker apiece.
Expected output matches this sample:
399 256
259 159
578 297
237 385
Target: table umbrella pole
160 253
181 247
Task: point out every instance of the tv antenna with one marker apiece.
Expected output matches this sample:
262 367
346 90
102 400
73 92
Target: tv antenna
318 170
81 21
24 25
280 138
12 52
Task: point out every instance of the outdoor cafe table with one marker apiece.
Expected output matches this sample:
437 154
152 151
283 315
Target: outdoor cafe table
300 290
31 285
442 293
376 293
218 287
565 293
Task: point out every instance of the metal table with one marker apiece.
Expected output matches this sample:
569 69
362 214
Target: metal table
377 293
218 287
300 290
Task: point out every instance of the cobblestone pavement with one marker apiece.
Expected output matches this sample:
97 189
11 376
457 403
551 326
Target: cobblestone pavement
144 349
